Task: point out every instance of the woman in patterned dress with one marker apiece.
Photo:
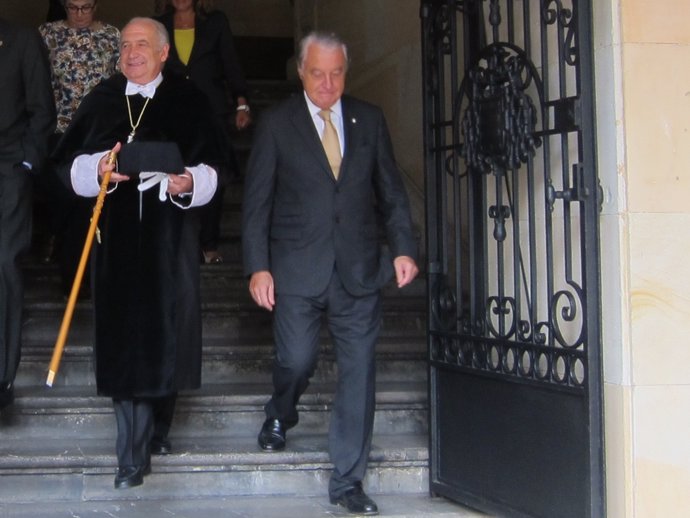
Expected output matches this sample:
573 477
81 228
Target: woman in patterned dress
82 52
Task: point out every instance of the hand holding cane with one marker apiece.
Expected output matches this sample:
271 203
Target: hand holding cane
72 300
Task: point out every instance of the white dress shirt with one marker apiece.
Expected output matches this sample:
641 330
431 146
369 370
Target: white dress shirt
336 119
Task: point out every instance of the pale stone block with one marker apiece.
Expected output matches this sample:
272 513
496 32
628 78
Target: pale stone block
610 129
618 444
660 21
606 29
660 292
662 451
657 120
615 301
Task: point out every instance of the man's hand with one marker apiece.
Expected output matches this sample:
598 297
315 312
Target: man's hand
104 165
242 119
180 183
405 270
261 289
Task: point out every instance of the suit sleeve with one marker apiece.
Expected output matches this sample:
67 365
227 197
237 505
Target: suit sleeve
40 104
392 196
259 187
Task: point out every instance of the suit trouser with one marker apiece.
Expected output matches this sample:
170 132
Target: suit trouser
67 216
15 239
354 324
210 221
212 212
138 420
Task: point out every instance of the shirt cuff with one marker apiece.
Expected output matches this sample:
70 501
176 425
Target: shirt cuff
84 174
205 182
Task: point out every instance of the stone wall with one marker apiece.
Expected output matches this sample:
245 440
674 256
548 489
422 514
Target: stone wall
248 18
643 100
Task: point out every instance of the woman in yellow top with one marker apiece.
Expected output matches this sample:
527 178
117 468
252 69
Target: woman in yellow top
202 49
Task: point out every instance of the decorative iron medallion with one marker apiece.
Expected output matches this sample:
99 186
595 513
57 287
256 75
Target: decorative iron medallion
499 124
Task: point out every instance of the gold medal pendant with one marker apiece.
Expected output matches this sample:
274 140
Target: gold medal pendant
134 127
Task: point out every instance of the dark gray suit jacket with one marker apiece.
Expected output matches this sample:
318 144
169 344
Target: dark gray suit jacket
299 222
27 106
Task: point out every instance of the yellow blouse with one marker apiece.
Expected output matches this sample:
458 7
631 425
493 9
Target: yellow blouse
184 41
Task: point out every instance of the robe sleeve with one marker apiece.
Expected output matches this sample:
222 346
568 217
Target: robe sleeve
84 177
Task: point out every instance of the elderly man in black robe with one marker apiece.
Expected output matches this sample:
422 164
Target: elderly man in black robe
146 264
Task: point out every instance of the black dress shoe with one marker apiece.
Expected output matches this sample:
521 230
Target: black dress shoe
6 394
131 476
161 446
356 501
272 435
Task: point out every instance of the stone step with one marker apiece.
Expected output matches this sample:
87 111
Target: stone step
230 410
82 468
391 505
57 444
219 321
222 325
265 93
230 324
397 358
224 281
238 339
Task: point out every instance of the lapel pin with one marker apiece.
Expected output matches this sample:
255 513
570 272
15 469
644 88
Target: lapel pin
354 121
1 42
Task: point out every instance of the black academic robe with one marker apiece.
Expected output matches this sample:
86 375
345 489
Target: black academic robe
146 267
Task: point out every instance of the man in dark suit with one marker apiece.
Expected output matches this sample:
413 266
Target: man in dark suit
27 119
311 247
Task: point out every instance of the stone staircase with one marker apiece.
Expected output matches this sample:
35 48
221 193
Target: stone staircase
57 444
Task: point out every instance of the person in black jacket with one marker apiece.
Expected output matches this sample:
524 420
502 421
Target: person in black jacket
202 49
27 119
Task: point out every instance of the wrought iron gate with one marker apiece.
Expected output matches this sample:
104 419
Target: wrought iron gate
513 256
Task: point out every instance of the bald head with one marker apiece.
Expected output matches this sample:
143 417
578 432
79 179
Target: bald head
144 48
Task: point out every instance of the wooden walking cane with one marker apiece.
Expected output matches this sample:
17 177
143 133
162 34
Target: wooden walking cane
69 311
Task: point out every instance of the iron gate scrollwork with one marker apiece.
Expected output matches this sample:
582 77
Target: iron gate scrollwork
513 251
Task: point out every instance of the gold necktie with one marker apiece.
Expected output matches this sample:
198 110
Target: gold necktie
331 143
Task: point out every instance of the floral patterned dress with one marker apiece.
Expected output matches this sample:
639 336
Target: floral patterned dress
79 60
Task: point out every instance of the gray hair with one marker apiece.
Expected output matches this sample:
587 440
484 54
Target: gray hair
328 40
161 31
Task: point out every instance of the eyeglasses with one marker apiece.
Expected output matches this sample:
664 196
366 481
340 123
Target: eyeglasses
84 9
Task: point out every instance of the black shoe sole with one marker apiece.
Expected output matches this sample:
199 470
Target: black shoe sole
356 513
129 482
270 447
134 481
